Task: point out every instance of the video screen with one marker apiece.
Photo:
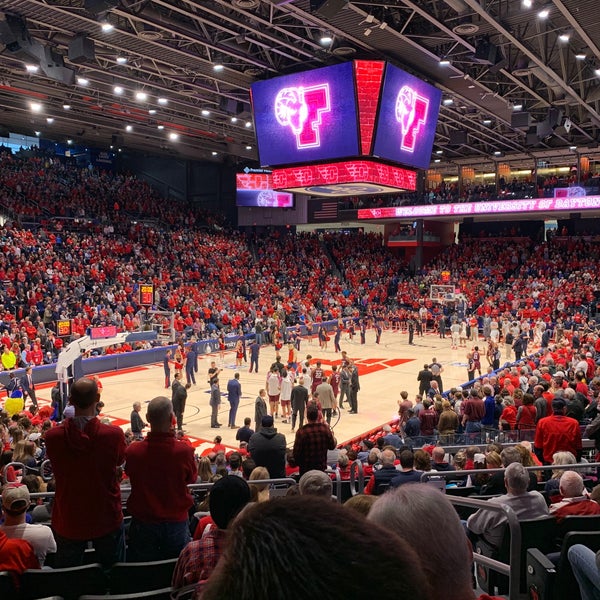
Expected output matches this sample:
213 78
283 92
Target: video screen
256 190
407 119
307 116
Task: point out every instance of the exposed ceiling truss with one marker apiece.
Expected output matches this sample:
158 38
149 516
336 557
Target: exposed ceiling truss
172 46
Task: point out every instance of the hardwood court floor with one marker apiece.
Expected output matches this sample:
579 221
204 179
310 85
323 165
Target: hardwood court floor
385 370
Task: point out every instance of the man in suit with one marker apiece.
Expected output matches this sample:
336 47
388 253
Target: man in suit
28 386
234 393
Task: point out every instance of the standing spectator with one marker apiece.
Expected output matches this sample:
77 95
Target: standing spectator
312 442
344 384
557 432
85 455
178 398
267 448
159 528
234 393
260 409
28 386
137 423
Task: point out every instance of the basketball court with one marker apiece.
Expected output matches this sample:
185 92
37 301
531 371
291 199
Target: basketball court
385 370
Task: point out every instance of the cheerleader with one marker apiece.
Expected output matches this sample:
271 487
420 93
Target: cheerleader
239 353
178 360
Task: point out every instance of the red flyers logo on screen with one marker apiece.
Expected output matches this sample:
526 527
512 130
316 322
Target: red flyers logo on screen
302 109
411 113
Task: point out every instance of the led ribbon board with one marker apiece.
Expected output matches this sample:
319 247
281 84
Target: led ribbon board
467 209
306 117
353 177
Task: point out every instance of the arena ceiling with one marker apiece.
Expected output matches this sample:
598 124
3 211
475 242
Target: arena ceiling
168 49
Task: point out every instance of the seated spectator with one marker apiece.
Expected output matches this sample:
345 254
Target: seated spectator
262 540
316 483
422 460
380 481
407 472
558 458
527 505
361 503
198 559
575 500
438 462
497 482
586 568
389 438
15 502
429 523
259 492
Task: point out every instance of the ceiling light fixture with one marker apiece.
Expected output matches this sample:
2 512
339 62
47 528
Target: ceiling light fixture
564 37
121 60
437 160
67 106
448 101
214 153
544 13
597 71
218 67
205 112
107 27
49 120
118 90
141 96
487 121
69 142
439 152
163 101
160 127
497 153
152 111
248 147
129 128
234 119
581 55
35 107
248 124
173 136
32 68
38 133
444 62
527 3
326 40
82 81
517 107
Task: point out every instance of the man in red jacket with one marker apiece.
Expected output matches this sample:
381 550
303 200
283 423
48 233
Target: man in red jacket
556 433
85 455
159 468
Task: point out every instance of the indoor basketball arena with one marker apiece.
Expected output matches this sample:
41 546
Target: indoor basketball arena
339 255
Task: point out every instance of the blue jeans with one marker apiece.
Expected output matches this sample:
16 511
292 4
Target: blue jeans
583 562
109 549
156 541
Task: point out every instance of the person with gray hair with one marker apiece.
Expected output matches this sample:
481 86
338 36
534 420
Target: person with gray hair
316 483
527 505
428 522
575 500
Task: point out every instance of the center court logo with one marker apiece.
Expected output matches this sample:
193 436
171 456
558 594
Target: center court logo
411 113
302 109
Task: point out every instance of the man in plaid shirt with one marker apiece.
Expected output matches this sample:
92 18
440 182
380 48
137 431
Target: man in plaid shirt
312 442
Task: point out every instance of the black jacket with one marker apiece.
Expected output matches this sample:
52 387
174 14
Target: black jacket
267 449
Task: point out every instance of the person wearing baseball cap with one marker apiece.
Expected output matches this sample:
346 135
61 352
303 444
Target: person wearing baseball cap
15 502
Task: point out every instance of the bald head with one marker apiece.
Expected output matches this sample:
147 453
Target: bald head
84 394
159 413
571 484
387 458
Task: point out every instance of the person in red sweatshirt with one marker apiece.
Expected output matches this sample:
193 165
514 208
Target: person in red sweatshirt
159 527
85 455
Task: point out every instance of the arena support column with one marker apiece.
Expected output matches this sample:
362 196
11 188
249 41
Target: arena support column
419 250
